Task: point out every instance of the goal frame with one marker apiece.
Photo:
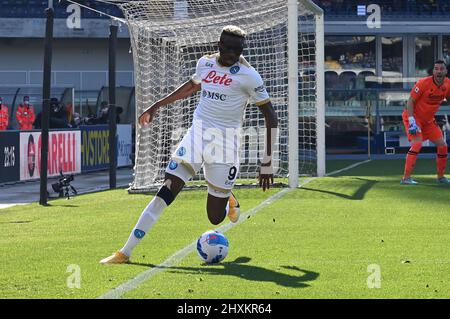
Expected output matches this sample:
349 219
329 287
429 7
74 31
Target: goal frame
293 25
293 89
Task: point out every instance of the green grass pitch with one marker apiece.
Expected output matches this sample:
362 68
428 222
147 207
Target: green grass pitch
324 240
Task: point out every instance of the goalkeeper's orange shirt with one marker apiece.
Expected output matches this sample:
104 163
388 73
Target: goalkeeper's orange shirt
428 97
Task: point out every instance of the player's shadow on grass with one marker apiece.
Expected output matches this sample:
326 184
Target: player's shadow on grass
239 269
357 195
62 205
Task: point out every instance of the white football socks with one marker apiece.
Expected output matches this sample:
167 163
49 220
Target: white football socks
148 218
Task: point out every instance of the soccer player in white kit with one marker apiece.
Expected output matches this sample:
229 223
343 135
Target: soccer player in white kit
227 82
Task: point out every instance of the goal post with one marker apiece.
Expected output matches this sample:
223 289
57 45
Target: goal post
284 44
320 88
292 47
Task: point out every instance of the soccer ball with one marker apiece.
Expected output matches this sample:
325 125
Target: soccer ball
212 247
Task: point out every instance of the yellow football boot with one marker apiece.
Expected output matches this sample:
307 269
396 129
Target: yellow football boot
234 209
118 258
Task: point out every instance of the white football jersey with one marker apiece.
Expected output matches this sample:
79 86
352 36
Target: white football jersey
226 91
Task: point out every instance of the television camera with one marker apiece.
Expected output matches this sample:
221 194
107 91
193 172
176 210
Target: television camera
63 187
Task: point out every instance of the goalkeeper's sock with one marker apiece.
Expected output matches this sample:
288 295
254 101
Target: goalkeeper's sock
411 158
148 218
441 160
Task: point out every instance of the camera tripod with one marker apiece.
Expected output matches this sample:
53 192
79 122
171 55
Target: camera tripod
65 191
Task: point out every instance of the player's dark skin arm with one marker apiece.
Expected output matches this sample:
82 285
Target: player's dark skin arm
174 183
266 175
184 91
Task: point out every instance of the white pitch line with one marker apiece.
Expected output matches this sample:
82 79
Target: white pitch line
11 205
347 168
131 284
179 255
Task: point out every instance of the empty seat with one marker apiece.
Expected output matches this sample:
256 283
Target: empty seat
347 80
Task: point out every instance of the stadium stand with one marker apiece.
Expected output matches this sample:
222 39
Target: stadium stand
337 8
35 9
401 9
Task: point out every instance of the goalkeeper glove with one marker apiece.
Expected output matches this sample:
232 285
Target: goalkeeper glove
413 128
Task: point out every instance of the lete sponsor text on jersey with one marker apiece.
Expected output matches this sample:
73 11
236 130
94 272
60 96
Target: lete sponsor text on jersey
212 77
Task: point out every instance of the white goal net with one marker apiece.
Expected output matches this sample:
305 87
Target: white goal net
168 38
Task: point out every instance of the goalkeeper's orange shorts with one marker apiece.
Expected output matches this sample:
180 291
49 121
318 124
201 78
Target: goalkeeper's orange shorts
428 131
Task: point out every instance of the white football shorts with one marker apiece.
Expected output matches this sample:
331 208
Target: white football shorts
214 150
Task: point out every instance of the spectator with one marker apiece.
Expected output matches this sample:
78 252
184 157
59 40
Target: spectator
58 115
103 117
4 116
77 120
331 64
25 114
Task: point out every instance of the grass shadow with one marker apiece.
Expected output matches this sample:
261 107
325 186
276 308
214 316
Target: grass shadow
239 268
17 222
391 168
358 195
62 205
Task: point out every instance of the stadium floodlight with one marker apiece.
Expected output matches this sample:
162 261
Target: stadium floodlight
284 44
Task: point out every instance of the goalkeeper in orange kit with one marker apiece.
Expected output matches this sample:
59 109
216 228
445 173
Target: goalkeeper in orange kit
418 117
